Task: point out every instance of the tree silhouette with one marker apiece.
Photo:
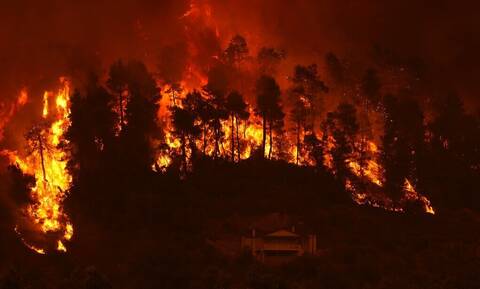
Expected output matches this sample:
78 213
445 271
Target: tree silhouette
314 148
451 126
268 107
118 84
205 112
402 141
236 51
139 124
91 132
37 140
236 54
183 120
298 115
268 59
343 127
238 110
307 87
215 90
455 155
335 68
370 88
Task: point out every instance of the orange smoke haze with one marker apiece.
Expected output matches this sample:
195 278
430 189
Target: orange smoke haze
41 40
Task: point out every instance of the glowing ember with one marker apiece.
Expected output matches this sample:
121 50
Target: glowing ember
411 194
372 172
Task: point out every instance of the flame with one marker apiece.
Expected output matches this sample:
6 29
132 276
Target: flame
372 172
52 180
23 97
250 133
412 194
8 110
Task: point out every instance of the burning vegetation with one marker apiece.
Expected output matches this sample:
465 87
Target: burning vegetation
231 104
176 146
47 162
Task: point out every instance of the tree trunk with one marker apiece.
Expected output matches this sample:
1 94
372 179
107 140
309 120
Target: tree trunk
217 141
184 152
271 140
40 148
238 139
121 110
193 149
204 132
232 139
314 114
264 136
298 143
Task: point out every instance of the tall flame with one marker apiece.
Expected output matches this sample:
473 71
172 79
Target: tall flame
49 166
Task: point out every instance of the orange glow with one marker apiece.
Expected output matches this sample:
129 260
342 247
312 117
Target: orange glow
372 172
49 168
8 110
412 194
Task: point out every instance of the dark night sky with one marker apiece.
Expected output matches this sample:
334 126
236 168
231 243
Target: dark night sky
42 39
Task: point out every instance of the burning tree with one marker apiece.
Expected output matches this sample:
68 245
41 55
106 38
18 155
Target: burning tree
305 90
184 122
370 88
37 143
343 127
172 63
47 161
307 87
215 91
237 50
117 82
137 113
402 143
298 115
269 108
269 58
237 108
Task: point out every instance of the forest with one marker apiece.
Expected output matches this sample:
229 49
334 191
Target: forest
144 175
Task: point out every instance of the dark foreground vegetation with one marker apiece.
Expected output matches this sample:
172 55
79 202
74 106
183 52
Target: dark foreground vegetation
158 234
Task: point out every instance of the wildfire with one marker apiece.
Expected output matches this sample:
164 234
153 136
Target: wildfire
372 172
47 162
371 169
248 137
412 194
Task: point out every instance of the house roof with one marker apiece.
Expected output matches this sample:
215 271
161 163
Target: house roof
282 233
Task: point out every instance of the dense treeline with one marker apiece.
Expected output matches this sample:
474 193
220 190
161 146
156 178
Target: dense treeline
116 129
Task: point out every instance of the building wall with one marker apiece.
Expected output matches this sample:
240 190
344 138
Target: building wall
264 249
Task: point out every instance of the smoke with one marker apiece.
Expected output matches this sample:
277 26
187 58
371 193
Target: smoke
443 34
42 40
